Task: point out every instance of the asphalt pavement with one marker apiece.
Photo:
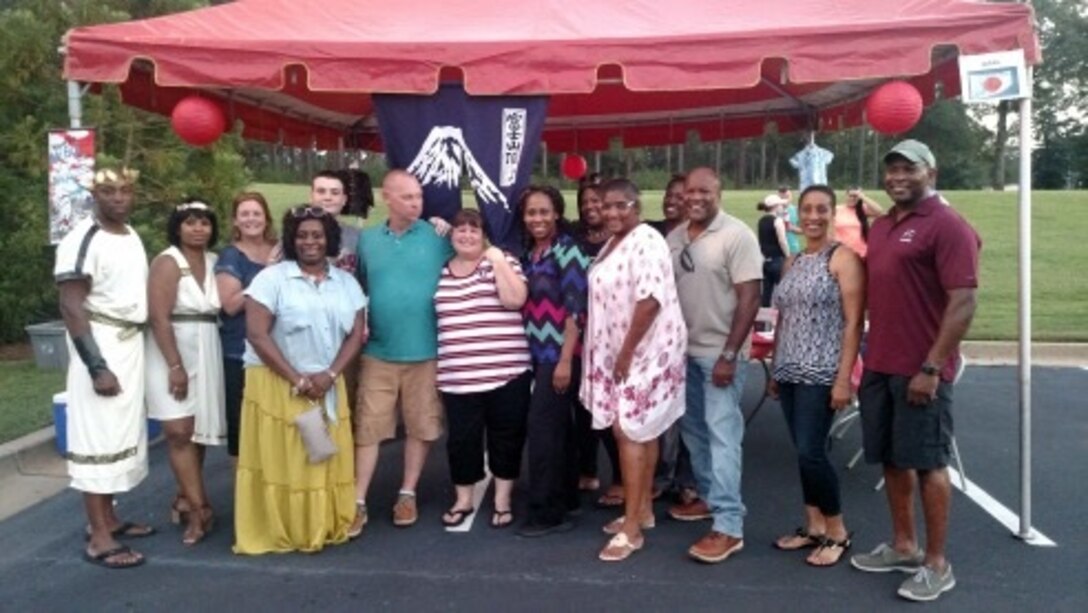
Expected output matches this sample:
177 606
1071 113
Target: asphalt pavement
426 568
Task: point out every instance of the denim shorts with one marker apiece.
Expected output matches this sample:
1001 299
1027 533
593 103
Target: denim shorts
902 435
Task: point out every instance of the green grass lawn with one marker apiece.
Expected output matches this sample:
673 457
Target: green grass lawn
26 397
1059 280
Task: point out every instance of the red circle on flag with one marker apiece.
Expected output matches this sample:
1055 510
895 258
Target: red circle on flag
992 84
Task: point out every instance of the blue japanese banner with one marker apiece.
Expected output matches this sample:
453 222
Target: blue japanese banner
491 141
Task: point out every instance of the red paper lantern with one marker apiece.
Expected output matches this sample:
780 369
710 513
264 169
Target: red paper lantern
894 108
574 166
198 121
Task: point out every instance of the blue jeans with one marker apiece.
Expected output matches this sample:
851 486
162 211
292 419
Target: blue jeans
713 430
808 414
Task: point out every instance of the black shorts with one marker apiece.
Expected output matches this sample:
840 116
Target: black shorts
899 434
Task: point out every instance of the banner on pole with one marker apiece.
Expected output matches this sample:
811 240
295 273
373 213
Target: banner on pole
992 77
489 141
71 176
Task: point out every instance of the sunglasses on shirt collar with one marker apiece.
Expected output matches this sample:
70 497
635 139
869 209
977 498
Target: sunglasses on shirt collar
687 263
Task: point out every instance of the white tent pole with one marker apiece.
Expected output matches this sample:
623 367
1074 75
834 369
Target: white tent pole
75 105
1024 203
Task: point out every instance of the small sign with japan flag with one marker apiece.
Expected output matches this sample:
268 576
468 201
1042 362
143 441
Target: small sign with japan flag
991 77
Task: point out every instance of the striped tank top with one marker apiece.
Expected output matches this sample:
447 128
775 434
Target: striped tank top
481 344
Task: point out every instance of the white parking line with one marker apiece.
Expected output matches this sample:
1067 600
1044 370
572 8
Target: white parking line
478 492
998 511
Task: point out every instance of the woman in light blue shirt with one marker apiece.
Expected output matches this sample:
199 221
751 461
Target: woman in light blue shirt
305 321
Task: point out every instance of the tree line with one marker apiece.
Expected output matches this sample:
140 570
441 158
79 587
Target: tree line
34 101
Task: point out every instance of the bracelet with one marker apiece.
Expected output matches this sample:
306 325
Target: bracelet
176 366
331 374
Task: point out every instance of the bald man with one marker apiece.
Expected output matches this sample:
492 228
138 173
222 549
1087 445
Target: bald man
399 263
718 268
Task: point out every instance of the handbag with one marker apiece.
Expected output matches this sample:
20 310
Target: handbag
314 431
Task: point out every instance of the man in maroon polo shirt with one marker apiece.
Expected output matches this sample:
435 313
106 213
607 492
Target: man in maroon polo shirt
923 274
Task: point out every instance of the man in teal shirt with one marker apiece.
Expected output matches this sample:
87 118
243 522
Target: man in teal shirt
399 263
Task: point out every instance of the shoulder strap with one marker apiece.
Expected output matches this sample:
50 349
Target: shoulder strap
175 254
85 246
831 252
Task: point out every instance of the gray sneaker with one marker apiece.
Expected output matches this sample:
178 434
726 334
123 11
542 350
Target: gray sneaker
927 584
884 559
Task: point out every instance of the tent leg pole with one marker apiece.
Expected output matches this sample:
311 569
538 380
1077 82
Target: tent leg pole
1024 205
75 105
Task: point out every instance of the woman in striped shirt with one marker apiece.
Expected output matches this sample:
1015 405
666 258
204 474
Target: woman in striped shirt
483 366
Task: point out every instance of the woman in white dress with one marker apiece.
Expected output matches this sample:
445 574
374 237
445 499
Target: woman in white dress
634 362
185 358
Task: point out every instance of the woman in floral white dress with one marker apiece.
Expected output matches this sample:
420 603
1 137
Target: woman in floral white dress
634 367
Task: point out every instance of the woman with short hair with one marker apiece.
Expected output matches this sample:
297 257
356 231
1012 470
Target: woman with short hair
304 324
635 362
483 366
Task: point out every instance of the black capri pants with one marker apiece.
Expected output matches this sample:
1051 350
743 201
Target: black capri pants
496 416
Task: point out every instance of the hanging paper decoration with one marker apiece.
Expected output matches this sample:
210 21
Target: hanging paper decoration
574 166
198 121
894 108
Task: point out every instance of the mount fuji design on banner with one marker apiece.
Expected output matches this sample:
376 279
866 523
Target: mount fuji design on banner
444 158
487 141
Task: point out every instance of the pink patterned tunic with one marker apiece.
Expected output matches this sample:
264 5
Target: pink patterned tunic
652 397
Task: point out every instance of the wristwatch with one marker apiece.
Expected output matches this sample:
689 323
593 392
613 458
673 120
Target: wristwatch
930 369
729 355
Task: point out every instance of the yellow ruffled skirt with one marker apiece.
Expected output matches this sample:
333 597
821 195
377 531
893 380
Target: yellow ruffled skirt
281 501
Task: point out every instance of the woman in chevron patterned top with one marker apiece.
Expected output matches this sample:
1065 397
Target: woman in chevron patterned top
820 302
555 267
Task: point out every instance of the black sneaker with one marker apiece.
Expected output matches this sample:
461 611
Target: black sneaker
534 529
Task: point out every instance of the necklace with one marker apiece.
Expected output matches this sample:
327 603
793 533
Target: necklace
597 236
316 277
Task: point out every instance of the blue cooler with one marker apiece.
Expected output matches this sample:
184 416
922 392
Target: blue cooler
60 424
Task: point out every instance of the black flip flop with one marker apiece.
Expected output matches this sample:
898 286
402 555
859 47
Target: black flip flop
826 543
125 531
461 514
102 558
497 514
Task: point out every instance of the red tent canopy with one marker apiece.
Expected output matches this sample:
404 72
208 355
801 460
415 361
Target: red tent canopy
643 70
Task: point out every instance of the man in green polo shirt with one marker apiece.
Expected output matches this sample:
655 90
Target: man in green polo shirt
399 264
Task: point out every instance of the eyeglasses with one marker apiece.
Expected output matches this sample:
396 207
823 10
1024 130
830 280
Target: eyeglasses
308 212
687 263
626 204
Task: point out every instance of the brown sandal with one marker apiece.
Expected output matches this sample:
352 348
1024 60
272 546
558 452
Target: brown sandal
179 510
192 535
